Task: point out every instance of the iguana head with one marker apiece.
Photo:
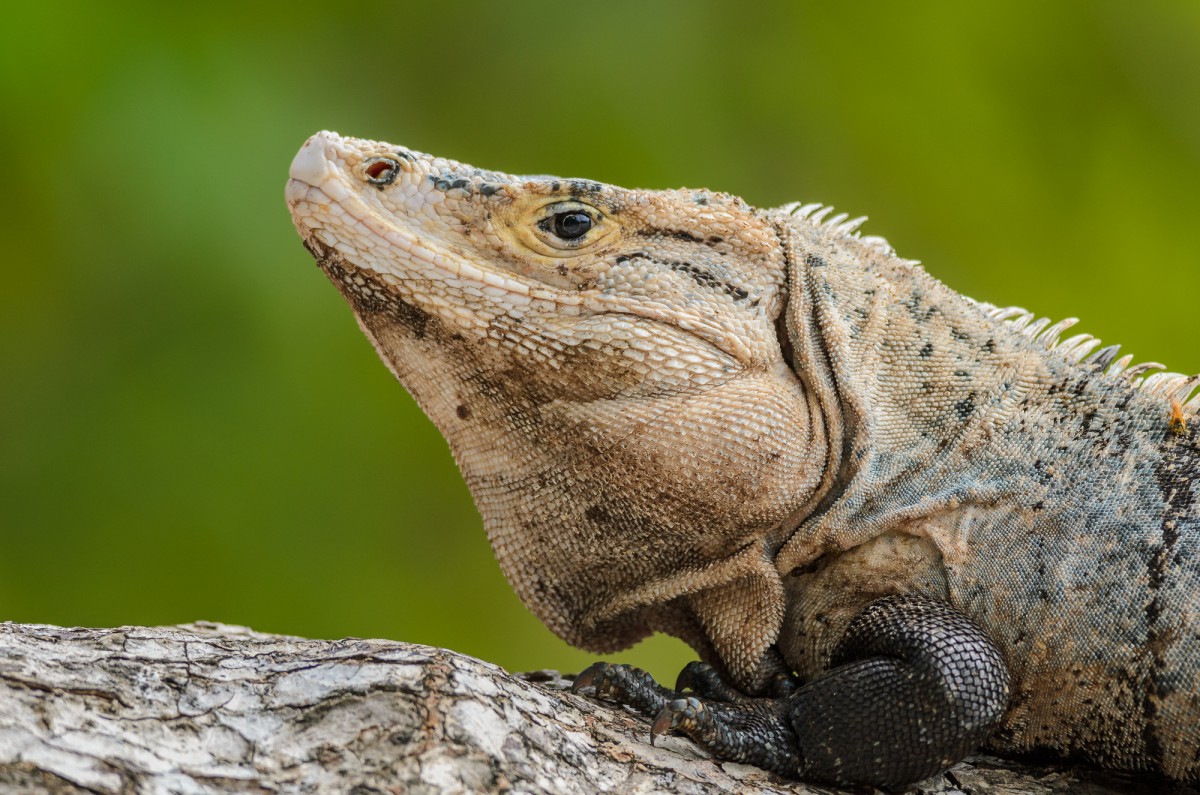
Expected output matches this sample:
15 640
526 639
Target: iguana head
605 366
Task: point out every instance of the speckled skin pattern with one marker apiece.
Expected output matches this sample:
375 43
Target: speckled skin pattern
743 427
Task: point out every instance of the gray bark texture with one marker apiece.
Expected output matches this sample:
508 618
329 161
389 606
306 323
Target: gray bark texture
207 708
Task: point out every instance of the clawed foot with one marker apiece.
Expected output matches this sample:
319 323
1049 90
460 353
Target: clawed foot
624 684
718 718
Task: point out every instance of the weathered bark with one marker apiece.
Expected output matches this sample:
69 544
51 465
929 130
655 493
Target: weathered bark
215 708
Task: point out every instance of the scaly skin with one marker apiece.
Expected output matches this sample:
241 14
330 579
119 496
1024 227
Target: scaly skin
743 427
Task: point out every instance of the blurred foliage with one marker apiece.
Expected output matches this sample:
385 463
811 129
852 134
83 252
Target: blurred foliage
192 426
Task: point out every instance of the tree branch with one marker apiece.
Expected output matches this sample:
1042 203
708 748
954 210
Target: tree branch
216 708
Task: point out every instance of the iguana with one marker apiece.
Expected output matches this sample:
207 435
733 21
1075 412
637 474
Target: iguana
893 521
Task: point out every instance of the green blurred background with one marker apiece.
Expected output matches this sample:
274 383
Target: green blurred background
191 424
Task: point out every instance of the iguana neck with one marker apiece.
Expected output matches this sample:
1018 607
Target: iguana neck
914 381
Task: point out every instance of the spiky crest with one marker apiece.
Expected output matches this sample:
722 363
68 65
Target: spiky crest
840 224
1082 348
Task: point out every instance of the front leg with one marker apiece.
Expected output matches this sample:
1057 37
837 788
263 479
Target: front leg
913 687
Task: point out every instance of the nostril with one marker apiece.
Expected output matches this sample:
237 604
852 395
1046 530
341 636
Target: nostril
381 170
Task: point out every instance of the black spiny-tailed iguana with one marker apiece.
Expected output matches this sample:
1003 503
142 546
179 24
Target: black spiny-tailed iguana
893 521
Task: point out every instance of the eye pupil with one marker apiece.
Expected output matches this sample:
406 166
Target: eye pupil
570 226
382 171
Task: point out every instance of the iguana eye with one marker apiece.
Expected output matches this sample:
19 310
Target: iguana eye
564 228
381 170
569 225
572 225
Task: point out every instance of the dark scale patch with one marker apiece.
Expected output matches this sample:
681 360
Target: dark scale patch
448 182
785 339
1085 422
402 154
319 251
599 515
1040 555
487 188
813 261
463 412
989 346
583 187
678 234
374 297
413 318
706 279
927 351
965 407
701 276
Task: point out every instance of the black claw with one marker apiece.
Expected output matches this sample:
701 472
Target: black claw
703 680
661 725
587 677
689 678
682 714
784 686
